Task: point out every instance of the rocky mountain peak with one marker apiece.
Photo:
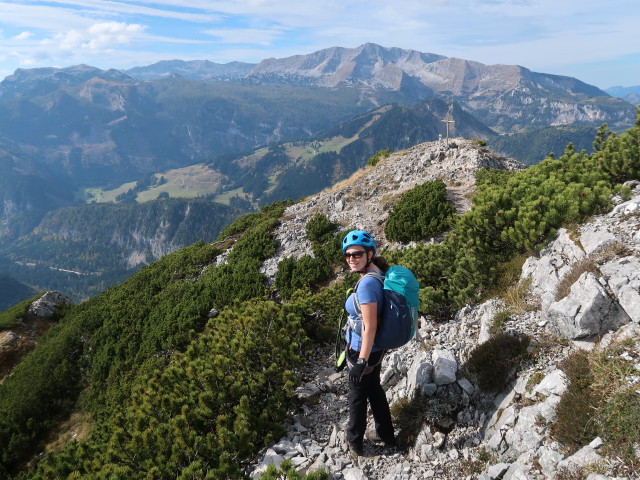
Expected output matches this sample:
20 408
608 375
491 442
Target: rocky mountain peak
41 81
332 66
364 200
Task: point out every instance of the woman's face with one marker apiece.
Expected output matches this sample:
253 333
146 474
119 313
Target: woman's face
356 257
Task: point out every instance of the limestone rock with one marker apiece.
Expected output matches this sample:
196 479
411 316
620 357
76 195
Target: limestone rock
588 311
445 367
554 262
47 304
623 277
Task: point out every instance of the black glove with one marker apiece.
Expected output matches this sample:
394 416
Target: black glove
357 371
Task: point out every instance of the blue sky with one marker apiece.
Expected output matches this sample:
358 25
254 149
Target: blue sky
597 42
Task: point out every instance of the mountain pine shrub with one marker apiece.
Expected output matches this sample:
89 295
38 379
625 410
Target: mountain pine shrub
207 411
304 273
421 213
286 471
379 155
309 272
267 213
494 363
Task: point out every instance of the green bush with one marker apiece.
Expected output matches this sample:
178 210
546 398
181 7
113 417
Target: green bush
9 318
320 229
207 411
421 213
494 363
303 273
309 272
379 155
286 471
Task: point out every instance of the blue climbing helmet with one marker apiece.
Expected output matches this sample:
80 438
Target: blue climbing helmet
358 237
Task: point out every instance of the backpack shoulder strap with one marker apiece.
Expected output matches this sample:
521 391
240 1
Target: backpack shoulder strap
369 274
355 296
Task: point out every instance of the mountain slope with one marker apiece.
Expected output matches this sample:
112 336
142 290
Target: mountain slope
13 291
297 169
630 94
27 192
533 146
84 127
199 349
200 70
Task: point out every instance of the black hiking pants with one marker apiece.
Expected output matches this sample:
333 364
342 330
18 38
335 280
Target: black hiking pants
368 390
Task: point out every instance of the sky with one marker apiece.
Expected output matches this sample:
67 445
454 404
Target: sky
597 42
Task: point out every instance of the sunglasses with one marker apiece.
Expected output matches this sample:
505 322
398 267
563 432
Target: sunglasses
356 255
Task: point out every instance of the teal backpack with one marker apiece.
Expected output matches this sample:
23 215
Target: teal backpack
399 319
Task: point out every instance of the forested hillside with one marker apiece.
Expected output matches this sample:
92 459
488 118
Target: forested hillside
295 169
532 146
84 249
187 369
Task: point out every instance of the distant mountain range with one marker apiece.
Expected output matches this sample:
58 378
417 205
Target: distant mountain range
630 94
282 128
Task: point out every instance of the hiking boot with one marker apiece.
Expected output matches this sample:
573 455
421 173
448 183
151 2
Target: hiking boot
373 437
357 449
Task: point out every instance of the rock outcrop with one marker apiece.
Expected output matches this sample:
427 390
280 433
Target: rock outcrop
19 341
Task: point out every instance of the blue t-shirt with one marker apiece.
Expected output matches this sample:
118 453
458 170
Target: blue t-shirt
369 291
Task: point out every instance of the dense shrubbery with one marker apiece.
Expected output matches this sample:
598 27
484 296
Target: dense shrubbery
421 213
518 212
213 405
309 271
494 363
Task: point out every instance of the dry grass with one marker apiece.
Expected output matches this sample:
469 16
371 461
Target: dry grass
351 181
75 428
590 264
563 288
600 401
517 298
611 252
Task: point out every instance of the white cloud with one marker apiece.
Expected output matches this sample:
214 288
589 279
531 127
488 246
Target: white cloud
111 34
23 36
98 36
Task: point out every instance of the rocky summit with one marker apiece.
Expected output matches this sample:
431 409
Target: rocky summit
579 294
364 200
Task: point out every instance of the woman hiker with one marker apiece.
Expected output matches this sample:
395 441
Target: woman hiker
364 359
